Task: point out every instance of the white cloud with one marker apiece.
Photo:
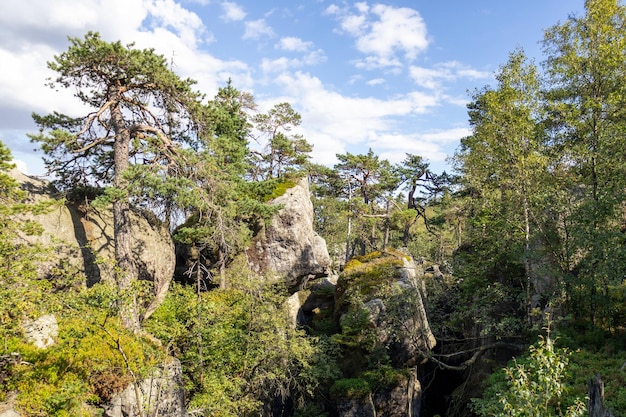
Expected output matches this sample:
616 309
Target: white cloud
332 9
433 78
447 136
376 81
232 12
32 32
21 166
255 29
169 14
283 64
293 44
383 32
362 121
430 145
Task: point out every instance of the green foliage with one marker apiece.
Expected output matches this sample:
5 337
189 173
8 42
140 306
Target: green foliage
238 349
280 189
21 293
350 388
284 154
532 387
93 358
585 364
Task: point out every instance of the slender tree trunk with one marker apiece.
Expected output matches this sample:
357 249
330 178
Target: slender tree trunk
386 239
349 233
222 261
122 232
527 266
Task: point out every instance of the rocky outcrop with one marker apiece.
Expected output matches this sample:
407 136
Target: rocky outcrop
392 294
7 407
160 395
402 399
288 248
380 310
82 236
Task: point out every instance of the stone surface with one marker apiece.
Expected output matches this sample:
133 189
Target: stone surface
83 237
288 248
41 332
160 395
595 400
400 400
356 407
398 317
7 407
294 309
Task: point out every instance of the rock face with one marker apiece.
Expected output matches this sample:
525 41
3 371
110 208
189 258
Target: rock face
83 237
401 400
160 395
392 294
289 248
380 309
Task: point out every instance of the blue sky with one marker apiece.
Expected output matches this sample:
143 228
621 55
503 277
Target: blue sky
393 76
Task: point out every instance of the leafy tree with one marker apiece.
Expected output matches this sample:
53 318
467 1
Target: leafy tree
422 187
330 207
223 206
374 181
238 348
21 293
503 164
585 67
140 112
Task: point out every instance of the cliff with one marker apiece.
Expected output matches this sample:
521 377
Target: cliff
81 237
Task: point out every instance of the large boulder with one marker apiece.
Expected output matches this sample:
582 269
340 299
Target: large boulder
386 287
82 236
162 394
288 248
402 398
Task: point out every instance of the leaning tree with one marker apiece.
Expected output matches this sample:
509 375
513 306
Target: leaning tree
139 115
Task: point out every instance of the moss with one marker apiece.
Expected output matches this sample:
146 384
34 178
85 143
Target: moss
371 273
385 376
280 189
350 388
85 366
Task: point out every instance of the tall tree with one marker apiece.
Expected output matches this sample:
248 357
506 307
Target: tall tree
373 180
503 162
222 206
140 112
586 66
283 152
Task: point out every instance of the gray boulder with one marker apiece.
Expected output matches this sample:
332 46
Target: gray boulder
41 332
160 395
402 399
288 248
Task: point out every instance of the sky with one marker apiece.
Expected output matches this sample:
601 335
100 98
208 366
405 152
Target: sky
393 76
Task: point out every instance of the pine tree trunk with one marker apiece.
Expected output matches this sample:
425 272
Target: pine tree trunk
122 232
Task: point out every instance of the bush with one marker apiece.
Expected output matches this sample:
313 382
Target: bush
530 387
350 388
